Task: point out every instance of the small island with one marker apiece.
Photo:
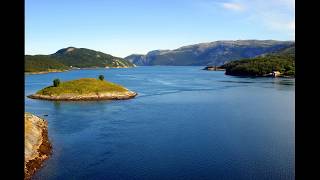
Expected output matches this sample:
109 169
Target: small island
37 147
84 89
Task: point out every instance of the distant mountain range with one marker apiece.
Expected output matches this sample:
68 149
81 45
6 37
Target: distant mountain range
212 53
73 57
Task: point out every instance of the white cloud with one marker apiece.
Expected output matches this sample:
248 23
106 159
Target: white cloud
275 15
233 6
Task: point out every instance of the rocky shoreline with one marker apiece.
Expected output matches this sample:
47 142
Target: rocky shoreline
86 97
37 145
213 68
45 72
258 76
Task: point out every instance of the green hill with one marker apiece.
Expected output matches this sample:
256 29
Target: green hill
282 61
83 58
75 57
41 63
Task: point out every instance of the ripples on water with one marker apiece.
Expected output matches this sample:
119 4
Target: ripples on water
185 123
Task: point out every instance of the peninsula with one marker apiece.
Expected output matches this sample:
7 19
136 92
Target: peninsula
277 64
37 147
84 89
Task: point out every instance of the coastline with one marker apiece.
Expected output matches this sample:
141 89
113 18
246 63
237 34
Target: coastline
260 76
243 75
46 72
37 145
56 71
86 97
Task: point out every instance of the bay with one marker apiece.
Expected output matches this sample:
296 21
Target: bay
185 123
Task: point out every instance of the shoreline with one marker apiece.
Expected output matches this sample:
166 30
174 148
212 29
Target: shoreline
214 69
46 72
87 97
39 152
56 71
261 76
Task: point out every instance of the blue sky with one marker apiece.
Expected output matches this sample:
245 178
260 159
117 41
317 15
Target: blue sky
124 27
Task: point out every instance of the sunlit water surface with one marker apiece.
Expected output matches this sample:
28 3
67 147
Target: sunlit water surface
186 123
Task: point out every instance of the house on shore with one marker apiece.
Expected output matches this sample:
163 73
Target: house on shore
275 73
213 68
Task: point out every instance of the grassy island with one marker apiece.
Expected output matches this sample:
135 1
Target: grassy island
84 89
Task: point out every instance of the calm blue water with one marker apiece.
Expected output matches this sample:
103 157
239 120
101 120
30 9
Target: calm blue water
185 124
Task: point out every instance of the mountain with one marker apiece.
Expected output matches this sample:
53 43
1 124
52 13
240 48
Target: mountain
282 61
138 59
212 53
64 58
290 50
83 58
287 50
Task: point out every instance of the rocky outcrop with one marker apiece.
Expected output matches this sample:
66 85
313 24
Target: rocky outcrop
87 97
213 68
37 147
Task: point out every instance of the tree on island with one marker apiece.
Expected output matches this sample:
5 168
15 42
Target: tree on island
101 77
56 82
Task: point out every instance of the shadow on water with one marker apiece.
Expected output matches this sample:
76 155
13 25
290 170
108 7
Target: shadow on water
229 81
289 82
57 105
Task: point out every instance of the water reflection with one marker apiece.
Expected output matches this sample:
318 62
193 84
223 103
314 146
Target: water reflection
57 105
283 84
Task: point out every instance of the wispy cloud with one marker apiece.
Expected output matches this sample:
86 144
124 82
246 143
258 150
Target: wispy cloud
233 6
274 15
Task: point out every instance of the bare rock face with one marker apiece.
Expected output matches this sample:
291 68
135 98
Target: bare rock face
37 147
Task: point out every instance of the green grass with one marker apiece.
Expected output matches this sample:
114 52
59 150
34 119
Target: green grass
82 86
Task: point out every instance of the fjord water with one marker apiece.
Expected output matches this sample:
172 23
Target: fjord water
186 123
